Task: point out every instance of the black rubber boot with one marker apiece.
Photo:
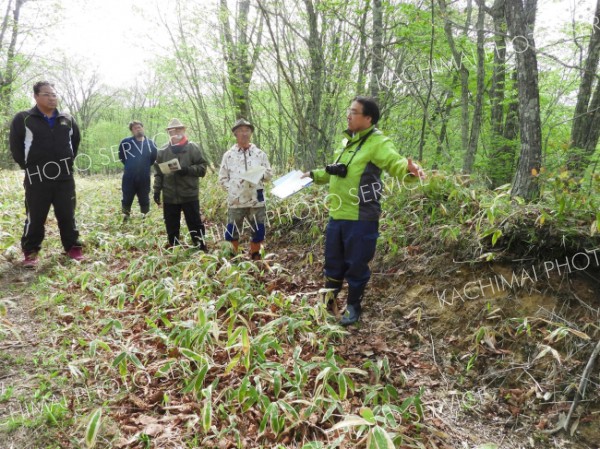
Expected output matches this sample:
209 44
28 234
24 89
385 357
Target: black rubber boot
331 298
351 315
353 308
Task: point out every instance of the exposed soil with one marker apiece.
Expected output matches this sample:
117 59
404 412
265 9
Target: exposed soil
508 397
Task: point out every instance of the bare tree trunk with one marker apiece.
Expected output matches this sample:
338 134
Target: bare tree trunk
377 51
584 137
188 65
445 107
464 76
594 129
430 83
362 52
521 21
7 73
317 66
317 85
240 65
478 111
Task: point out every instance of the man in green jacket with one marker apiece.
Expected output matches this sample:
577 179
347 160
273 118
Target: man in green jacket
178 166
354 190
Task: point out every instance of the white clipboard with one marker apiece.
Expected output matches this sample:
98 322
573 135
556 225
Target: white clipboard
289 184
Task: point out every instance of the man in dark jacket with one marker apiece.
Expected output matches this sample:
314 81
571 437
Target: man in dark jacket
178 166
137 153
44 142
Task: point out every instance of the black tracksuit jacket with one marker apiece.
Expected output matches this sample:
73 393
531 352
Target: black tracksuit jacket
45 153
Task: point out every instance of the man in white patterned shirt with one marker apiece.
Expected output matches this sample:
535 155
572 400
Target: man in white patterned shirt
244 169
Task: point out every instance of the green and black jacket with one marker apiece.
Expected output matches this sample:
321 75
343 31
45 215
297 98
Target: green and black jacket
356 197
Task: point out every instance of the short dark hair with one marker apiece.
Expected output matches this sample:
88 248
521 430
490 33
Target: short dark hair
38 86
133 123
370 108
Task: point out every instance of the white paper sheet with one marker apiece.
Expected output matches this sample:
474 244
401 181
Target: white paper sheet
289 184
254 175
170 166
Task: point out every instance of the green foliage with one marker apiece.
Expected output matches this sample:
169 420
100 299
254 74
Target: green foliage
184 326
93 428
474 222
99 152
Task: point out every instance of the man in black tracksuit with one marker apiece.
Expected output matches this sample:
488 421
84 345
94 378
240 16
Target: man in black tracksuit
44 142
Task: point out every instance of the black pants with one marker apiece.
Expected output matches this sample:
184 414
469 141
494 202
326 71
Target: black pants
38 199
136 184
191 212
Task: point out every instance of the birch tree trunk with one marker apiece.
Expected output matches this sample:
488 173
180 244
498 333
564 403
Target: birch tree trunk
10 23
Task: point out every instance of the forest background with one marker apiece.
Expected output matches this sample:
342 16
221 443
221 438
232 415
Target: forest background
474 87
499 101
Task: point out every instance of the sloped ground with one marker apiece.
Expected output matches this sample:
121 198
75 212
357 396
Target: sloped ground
512 393
494 359
507 397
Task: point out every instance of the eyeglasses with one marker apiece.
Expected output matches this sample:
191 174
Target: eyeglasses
47 95
353 112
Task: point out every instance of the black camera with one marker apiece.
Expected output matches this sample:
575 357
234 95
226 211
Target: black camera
338 169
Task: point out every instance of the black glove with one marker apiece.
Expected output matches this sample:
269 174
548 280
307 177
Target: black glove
157 198
183 171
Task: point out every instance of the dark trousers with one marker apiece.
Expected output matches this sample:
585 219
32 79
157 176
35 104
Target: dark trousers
38 199
134 185
349 247
191 212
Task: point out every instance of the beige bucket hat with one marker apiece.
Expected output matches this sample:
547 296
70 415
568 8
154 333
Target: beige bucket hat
175 123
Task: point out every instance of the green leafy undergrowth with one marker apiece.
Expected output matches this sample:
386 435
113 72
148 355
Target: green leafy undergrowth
452 215
162 345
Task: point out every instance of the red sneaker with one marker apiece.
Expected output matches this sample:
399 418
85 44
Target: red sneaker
75 253
30 259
